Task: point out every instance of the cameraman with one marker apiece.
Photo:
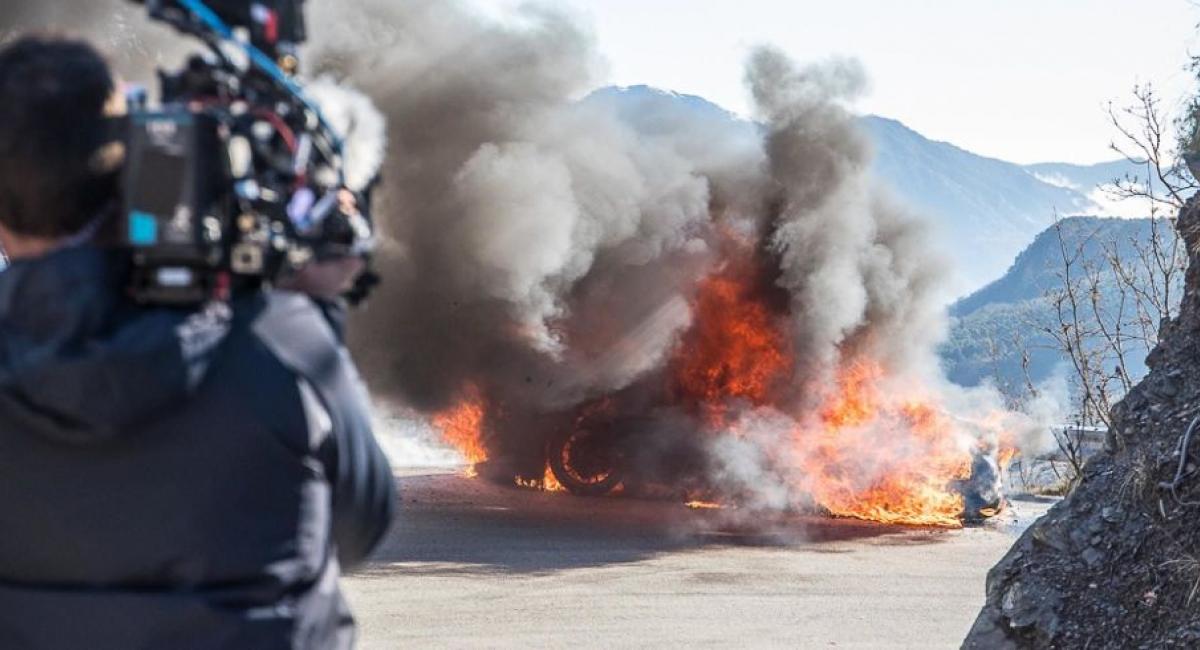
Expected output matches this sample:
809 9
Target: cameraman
167 479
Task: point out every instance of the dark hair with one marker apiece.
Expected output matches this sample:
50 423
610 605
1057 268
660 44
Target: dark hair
53 90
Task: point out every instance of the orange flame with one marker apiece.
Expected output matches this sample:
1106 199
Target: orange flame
462 427
734 350
877 457
548 482
703 505
870 454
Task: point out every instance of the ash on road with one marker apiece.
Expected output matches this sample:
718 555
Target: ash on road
470 564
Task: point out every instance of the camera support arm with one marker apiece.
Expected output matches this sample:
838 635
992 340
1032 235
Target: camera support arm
194 18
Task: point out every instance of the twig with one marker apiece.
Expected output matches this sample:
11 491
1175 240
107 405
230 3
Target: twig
1184 444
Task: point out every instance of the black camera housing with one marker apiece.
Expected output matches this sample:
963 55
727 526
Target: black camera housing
175 215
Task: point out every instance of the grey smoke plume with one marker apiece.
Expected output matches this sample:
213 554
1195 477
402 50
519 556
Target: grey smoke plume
857 265
517 218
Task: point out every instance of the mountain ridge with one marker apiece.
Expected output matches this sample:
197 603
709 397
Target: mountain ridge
984 210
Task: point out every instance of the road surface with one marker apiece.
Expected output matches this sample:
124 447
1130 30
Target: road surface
473 565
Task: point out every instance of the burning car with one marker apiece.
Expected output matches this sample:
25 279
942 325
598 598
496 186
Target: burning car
724 421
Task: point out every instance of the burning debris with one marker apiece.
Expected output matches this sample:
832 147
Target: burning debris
596 302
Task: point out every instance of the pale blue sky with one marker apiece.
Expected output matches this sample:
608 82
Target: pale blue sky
1023 80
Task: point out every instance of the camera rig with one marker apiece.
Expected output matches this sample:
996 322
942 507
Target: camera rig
236 178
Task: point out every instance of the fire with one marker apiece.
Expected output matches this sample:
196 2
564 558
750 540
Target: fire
703 505
548 482
874 448
1008 451
856 401
871 455
879 457
462 427
735 349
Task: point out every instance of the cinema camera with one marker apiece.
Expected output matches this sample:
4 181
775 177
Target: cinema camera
236 178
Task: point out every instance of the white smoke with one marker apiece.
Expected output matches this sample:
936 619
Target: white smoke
410 442
363 129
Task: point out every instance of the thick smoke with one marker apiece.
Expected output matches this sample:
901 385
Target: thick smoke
530 235
857 265
531 232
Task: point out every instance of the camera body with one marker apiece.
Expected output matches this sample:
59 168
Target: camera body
175 217
236 178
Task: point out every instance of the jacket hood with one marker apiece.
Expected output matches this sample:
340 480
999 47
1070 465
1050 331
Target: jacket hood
81 364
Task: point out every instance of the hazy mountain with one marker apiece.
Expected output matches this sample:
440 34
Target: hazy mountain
993 325
647 108
1092 181
1083 178
984 210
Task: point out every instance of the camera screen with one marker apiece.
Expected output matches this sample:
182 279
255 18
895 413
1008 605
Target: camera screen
162 179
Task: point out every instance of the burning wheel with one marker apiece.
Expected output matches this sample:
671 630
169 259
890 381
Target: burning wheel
586 462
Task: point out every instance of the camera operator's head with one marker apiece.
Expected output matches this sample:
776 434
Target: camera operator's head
58 169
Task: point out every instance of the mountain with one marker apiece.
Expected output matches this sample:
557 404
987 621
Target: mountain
992 327
984 210
1083 178
1090 180
645 107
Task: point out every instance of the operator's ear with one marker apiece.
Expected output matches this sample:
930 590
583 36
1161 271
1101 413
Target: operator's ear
110 157
117 105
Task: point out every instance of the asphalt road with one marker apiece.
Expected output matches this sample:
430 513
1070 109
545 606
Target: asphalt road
469 564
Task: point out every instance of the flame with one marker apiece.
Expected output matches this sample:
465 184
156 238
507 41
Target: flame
856 401
548 482
703 505
879 457
735 350
869 454
462 428
1008 452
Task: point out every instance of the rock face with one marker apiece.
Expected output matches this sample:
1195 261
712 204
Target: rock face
1117 564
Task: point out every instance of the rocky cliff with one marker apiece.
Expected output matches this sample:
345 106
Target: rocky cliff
1117 564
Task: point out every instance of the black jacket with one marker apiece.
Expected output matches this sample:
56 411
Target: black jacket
176 480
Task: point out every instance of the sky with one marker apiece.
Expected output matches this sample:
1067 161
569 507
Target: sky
1021 80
